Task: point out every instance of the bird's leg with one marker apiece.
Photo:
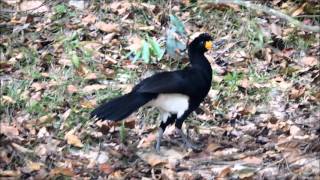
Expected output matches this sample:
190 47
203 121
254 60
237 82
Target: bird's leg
166 119
185 139
160 134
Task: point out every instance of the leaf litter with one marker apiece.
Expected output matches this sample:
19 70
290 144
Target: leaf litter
261 118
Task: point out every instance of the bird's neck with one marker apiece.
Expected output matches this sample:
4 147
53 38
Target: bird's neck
198 59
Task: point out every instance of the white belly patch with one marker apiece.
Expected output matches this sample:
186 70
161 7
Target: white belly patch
172 103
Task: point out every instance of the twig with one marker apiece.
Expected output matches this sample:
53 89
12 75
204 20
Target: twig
268 10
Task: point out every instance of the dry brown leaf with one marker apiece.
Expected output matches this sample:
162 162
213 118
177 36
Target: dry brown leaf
309 61
38 86
275 29
73 140
106 168
72 89
34 166
9 131
147 141
253 160
7 100
136 43
94 87
245 83
300 10
43 133
9 173
91 45
296 131
89 19
21 148
297 92
224 173
61 170
46 119
212 147
91 76
88 104
107 27
35 6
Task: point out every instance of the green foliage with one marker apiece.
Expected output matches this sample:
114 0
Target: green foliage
61 10
232 81
177 25
255 34
173 44
150 48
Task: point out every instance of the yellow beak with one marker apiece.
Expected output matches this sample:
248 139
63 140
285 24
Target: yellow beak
208 45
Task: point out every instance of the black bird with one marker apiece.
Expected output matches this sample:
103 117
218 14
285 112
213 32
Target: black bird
176 94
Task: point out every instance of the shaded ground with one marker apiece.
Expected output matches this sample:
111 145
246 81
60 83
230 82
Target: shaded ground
58 62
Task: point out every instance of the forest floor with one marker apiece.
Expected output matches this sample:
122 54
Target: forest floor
61 59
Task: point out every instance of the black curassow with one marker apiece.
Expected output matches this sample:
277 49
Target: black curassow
176 94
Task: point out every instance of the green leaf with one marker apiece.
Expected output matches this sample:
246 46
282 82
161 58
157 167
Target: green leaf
146 52
75 60
173 44
177 24
156 49
137 56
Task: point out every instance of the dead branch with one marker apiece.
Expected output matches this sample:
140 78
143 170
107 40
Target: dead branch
268 10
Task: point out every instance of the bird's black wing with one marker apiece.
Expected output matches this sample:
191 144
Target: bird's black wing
169 82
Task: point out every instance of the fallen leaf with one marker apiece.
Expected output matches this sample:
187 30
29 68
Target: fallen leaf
300 10
309 61
107 27
89 19
275 29
35 6
7 100
296 131
9 131
43 133
224 173
21 148
9 173
61 170
147 141
88 104
106 168
72 89
73 139
34 166
90 76
253 160
297 92
38 86
94 87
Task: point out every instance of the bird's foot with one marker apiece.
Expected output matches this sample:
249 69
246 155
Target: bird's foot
187 143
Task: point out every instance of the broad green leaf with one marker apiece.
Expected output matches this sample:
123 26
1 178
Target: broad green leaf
146 52
173 44
75 60
137 56
158 52
178 25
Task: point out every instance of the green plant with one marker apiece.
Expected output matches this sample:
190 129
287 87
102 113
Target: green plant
175 27
150 48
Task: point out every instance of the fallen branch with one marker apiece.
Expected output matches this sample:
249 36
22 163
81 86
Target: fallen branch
271 11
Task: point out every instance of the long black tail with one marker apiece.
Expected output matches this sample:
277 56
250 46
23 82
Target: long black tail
121 107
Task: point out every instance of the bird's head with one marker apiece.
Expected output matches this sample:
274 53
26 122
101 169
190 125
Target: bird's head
202 43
